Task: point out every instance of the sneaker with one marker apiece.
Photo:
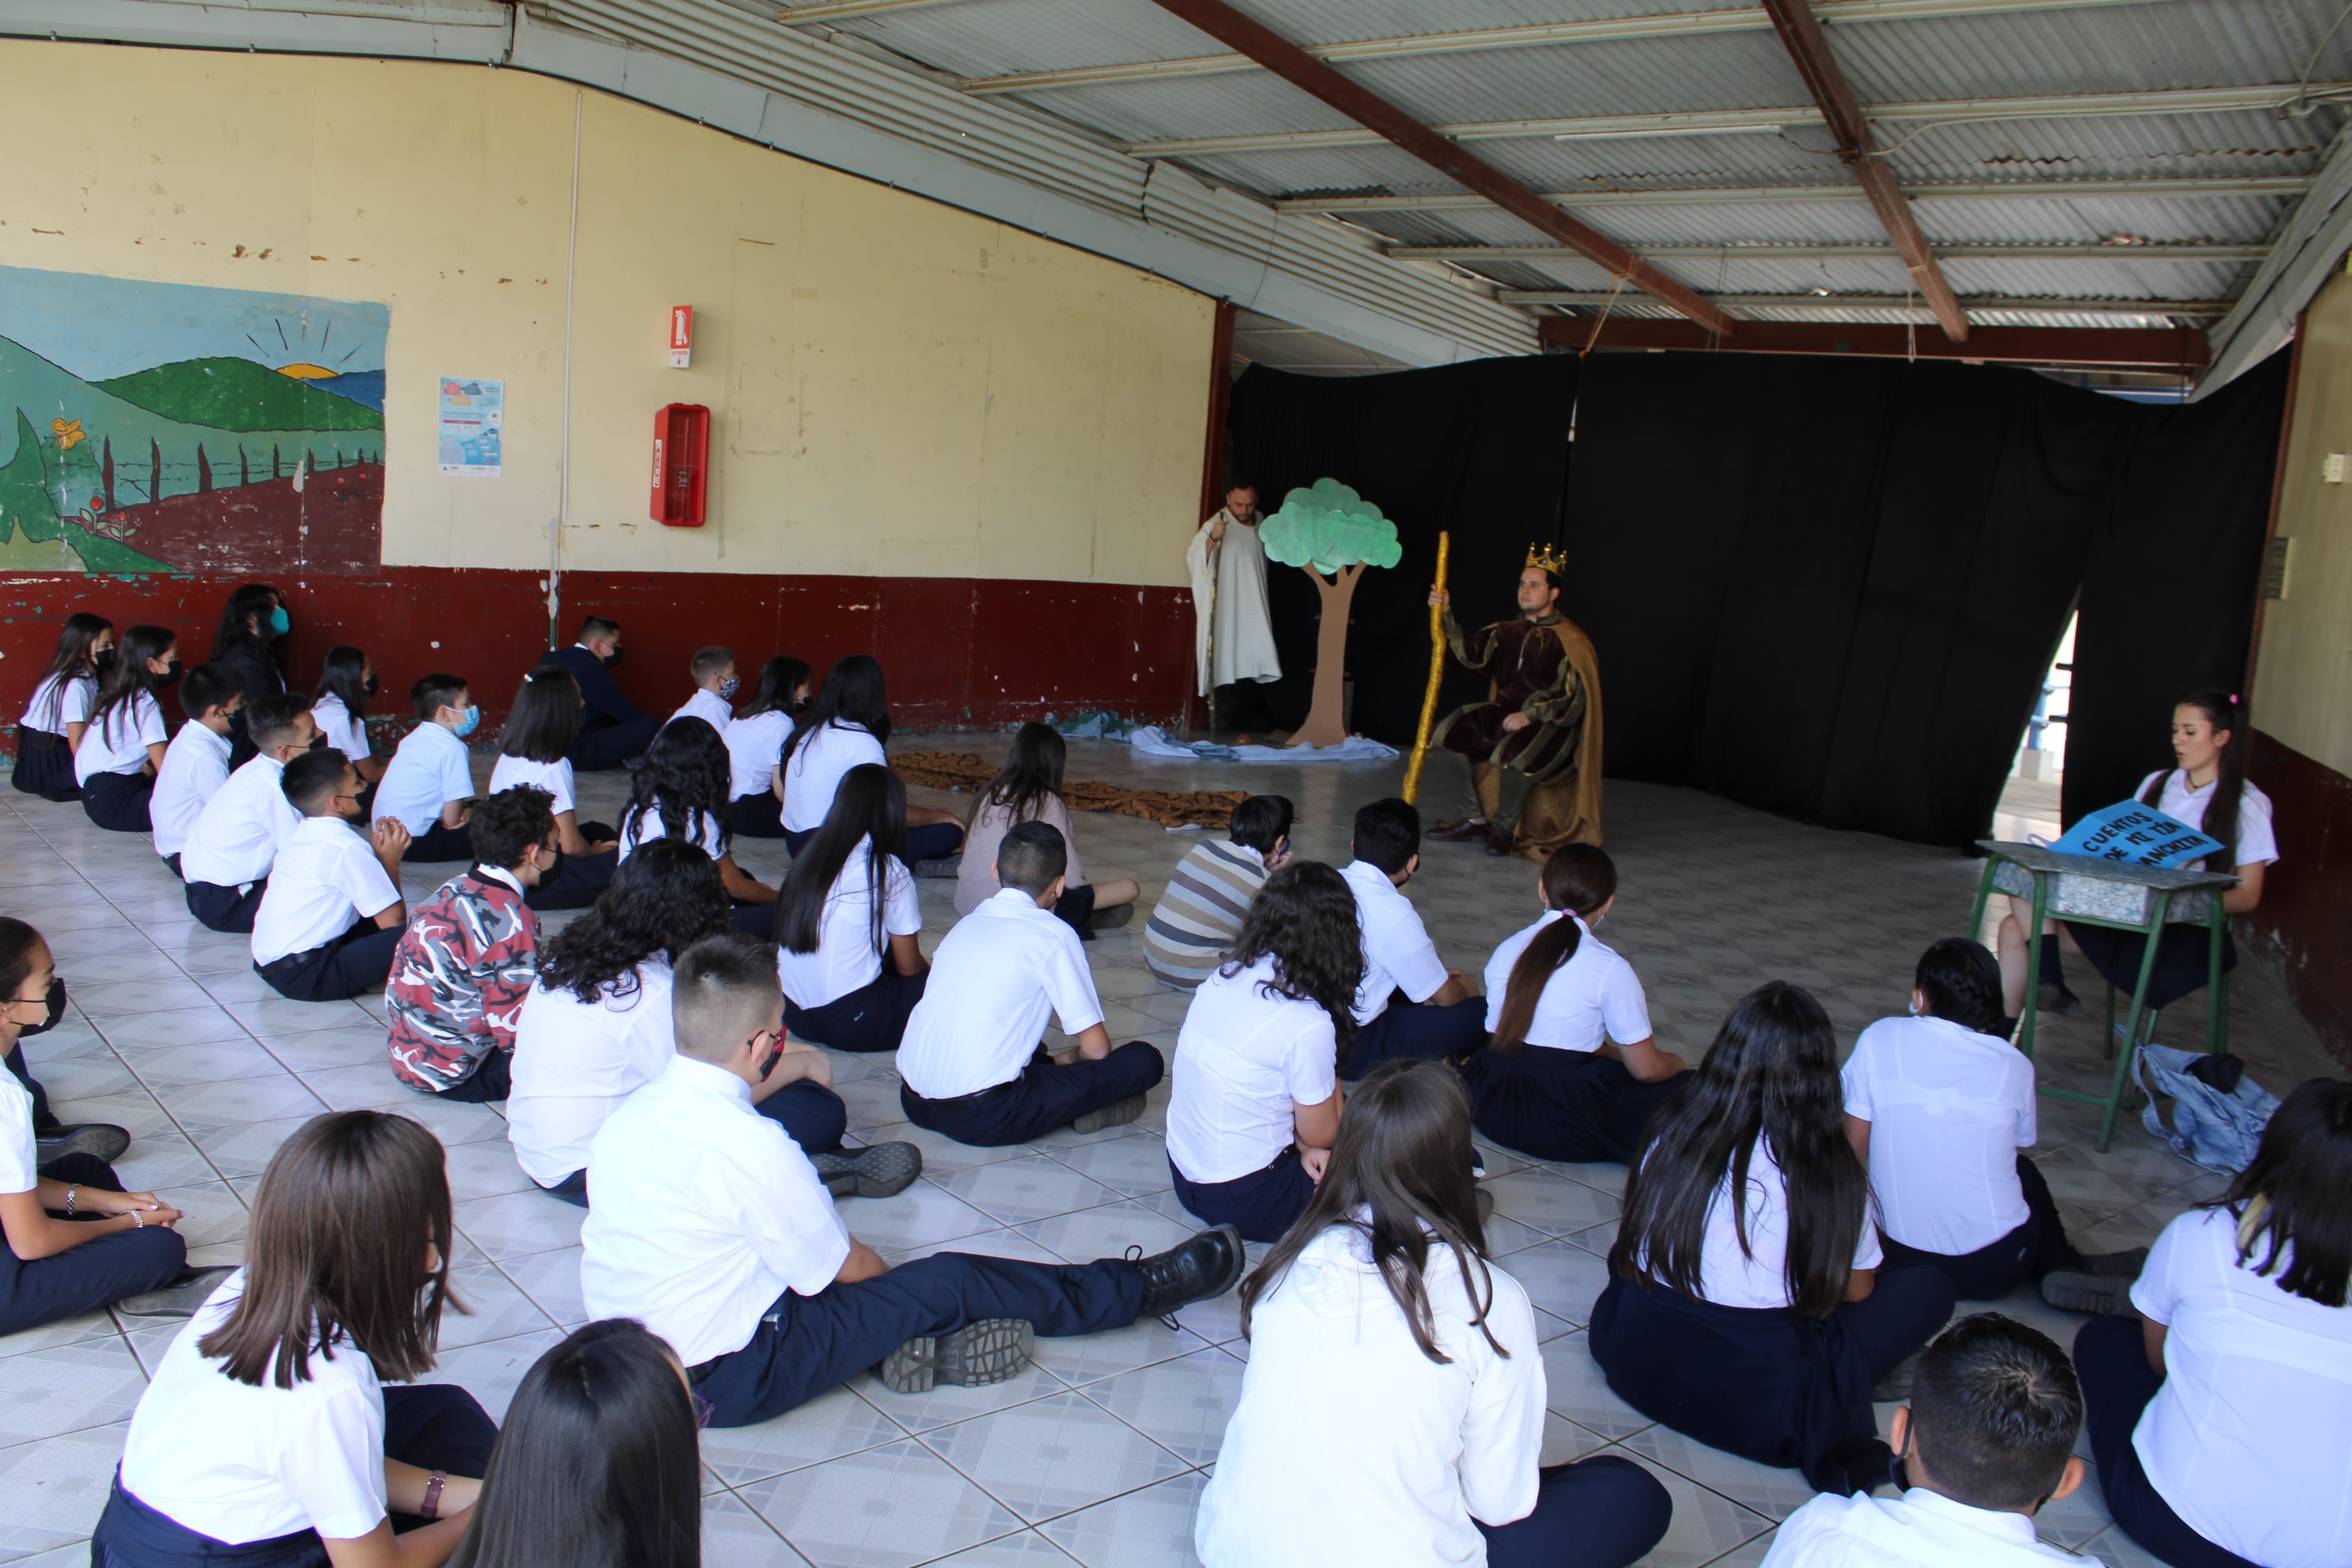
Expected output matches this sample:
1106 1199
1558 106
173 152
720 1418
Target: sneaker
876 1171
99 1139
2125 1265
2055 998
945 866
986 1351
1200 1270
1897 1384
180 1298
1118 1115
1114 917
2080 1290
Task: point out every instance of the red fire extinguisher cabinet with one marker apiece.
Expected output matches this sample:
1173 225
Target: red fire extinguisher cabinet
681 464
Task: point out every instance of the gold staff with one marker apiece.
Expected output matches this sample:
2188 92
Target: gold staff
1436 672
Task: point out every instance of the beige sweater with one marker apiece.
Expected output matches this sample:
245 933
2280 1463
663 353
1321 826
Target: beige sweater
976 877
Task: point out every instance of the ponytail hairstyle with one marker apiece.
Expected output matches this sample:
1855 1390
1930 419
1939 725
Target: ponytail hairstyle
1031 776
1304 918
130 678
1577 880
72 660
2226 715
1961 984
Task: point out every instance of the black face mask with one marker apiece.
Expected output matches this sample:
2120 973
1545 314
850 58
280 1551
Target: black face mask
169 678
56 1010
102 661
612 658
371 686
318 742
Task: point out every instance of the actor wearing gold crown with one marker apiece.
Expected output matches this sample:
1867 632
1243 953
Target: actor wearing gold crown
1541 718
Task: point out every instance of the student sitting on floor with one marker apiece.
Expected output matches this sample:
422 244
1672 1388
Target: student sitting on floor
972 1066
466 961
331 915
680 792
596 1028
1551 1084
1029 789
1193 925
272 1432
1987 1440
251 641
52 1139
195 764
598 1462
539 730
428 787
715 685
226 861
2221 1417
849 724
755 742
1440 1014
851 968
712 1228
1939 1104
1761 1324
123 743
1254 1101
76 1240
612 728
49 733
1392 1410
346 681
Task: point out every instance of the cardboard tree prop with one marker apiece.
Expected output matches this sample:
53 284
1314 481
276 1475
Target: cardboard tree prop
1330 531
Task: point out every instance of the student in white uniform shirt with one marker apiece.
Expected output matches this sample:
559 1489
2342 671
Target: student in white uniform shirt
275 1433
715 685
1572 1072
535 750
1940 1104
226 863
1254 1101
755 743
770 1303
195 764
50 730
2208 790
848 724
346 680
680 792
2220 1417
1410 1003
332 916
972 1066
1763 1331
428 787
1393 1412
123 744
1986 1442
852 970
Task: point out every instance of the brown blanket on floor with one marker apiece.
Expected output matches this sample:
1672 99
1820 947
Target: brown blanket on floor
1170 808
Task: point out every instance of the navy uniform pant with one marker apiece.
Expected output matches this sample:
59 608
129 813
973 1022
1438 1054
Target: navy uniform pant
1601 1513
359 960
1411 1030
1045 1096
2111 1359
1261 1205
812 1113
1993 1270
574 883
871 1018
98 1273
218 908
118 802
602 746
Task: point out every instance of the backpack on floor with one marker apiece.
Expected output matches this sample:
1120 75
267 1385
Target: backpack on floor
2217 1131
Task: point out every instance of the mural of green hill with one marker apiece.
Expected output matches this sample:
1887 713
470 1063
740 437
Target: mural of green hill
228 393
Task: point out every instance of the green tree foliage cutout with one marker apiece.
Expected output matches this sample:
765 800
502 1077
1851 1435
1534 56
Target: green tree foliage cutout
1332 533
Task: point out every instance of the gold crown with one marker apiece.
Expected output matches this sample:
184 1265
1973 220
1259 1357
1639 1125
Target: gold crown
1548 557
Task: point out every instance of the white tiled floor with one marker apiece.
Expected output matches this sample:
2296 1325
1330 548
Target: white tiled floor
1098 1453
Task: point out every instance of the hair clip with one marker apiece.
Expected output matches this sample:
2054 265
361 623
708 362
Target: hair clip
2233 700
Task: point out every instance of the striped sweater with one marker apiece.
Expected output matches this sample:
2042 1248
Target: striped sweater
1192 927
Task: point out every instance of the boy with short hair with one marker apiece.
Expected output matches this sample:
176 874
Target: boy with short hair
428 788
227 860
612 729
970 1063
715 685
466 963
1193 925
333 914
195 764
1987 1440
1441 1013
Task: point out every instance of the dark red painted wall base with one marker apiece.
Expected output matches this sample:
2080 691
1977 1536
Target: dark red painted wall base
957 651
2305 918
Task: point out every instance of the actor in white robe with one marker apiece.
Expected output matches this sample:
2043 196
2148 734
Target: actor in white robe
1228 567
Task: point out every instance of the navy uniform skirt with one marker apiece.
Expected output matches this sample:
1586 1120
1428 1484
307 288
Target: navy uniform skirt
2182 958
45 764
1551 1104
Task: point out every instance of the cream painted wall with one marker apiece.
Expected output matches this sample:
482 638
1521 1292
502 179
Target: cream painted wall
2303 677
897 387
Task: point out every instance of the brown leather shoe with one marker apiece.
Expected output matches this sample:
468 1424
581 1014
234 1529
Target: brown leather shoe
1469 831
1499 842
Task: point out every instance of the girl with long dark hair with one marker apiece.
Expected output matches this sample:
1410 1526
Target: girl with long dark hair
125 744
1938 1105
268 1437
1572 1072
599 1464
2220 1415
535 750
1028 788
755 743
2208 790
851 969
1746 1306
1392 1410
251 641
680 792
50 731
1254 1094
848 725
346 680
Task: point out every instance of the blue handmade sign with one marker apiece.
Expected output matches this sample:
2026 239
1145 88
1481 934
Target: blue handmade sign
2136 834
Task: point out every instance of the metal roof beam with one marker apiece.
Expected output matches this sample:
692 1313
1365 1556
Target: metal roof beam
1385 122
1713 195
1693 123
1474 254
1600 298
2177 349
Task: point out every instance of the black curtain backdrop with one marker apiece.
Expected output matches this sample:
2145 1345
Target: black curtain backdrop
1827 587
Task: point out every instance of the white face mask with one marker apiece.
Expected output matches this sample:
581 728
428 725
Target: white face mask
1918 1011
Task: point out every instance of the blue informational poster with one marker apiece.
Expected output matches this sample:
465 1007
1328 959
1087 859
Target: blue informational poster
2136 834
471 414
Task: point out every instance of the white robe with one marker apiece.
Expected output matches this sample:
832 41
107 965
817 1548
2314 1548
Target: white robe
1232 601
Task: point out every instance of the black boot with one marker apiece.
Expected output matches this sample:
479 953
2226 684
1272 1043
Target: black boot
1201 1269
2053 995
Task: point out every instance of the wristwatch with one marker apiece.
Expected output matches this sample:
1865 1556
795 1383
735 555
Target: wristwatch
430 1507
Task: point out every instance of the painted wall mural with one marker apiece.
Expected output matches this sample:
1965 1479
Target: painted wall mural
172 428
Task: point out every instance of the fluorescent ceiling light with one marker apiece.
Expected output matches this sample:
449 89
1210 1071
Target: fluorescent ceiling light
1664 131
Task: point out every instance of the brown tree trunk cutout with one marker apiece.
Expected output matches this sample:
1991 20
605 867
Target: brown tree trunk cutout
1326 718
